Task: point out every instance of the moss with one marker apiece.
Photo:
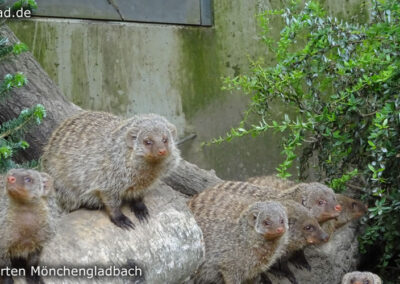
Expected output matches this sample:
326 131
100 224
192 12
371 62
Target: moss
41 40
200 68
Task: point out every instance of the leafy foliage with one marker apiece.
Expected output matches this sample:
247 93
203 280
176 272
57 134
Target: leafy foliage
11 132
341 81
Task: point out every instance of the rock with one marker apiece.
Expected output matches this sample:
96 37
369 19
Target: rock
189 179
167 249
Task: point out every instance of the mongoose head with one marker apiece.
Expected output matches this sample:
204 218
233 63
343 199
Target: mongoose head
311 230
268 219
304 229
24 185
153 139
357 277
351 209
321 201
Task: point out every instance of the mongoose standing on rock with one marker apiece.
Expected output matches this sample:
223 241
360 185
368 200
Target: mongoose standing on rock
28 216
357 277
241 238
351 210
99 160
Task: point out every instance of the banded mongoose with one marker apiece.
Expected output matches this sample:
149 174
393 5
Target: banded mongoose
318 198
28 215
304 230
357 277
241 238
99 160
352 209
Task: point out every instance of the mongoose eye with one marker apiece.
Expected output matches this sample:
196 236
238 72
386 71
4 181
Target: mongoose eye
148 142
308 228
28 179
321 202
267 223
365 281
282 221
165 140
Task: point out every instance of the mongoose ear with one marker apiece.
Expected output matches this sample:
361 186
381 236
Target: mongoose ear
131 136
48 184
252 218
377 279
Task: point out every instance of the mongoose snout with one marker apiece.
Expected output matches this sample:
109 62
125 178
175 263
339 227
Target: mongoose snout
318 237
273 234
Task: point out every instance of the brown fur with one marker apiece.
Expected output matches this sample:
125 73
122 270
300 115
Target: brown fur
236 248
28 216
271 181
99 160
357 277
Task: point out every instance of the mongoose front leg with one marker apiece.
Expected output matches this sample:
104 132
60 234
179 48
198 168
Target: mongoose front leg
264 278
139 208
299 260
33 262
284 267
16 263
114 212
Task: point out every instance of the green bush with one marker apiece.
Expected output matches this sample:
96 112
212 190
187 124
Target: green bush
341 81
11 132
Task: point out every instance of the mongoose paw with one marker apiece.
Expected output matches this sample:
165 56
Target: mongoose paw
299 260
264 279
123 222
140 210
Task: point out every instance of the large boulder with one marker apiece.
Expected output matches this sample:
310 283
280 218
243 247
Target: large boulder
167 249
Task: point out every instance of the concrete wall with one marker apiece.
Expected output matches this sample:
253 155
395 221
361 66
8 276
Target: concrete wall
128 68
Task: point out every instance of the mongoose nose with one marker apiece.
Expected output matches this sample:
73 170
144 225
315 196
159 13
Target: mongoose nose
280 230
338 208
11 179
162 152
